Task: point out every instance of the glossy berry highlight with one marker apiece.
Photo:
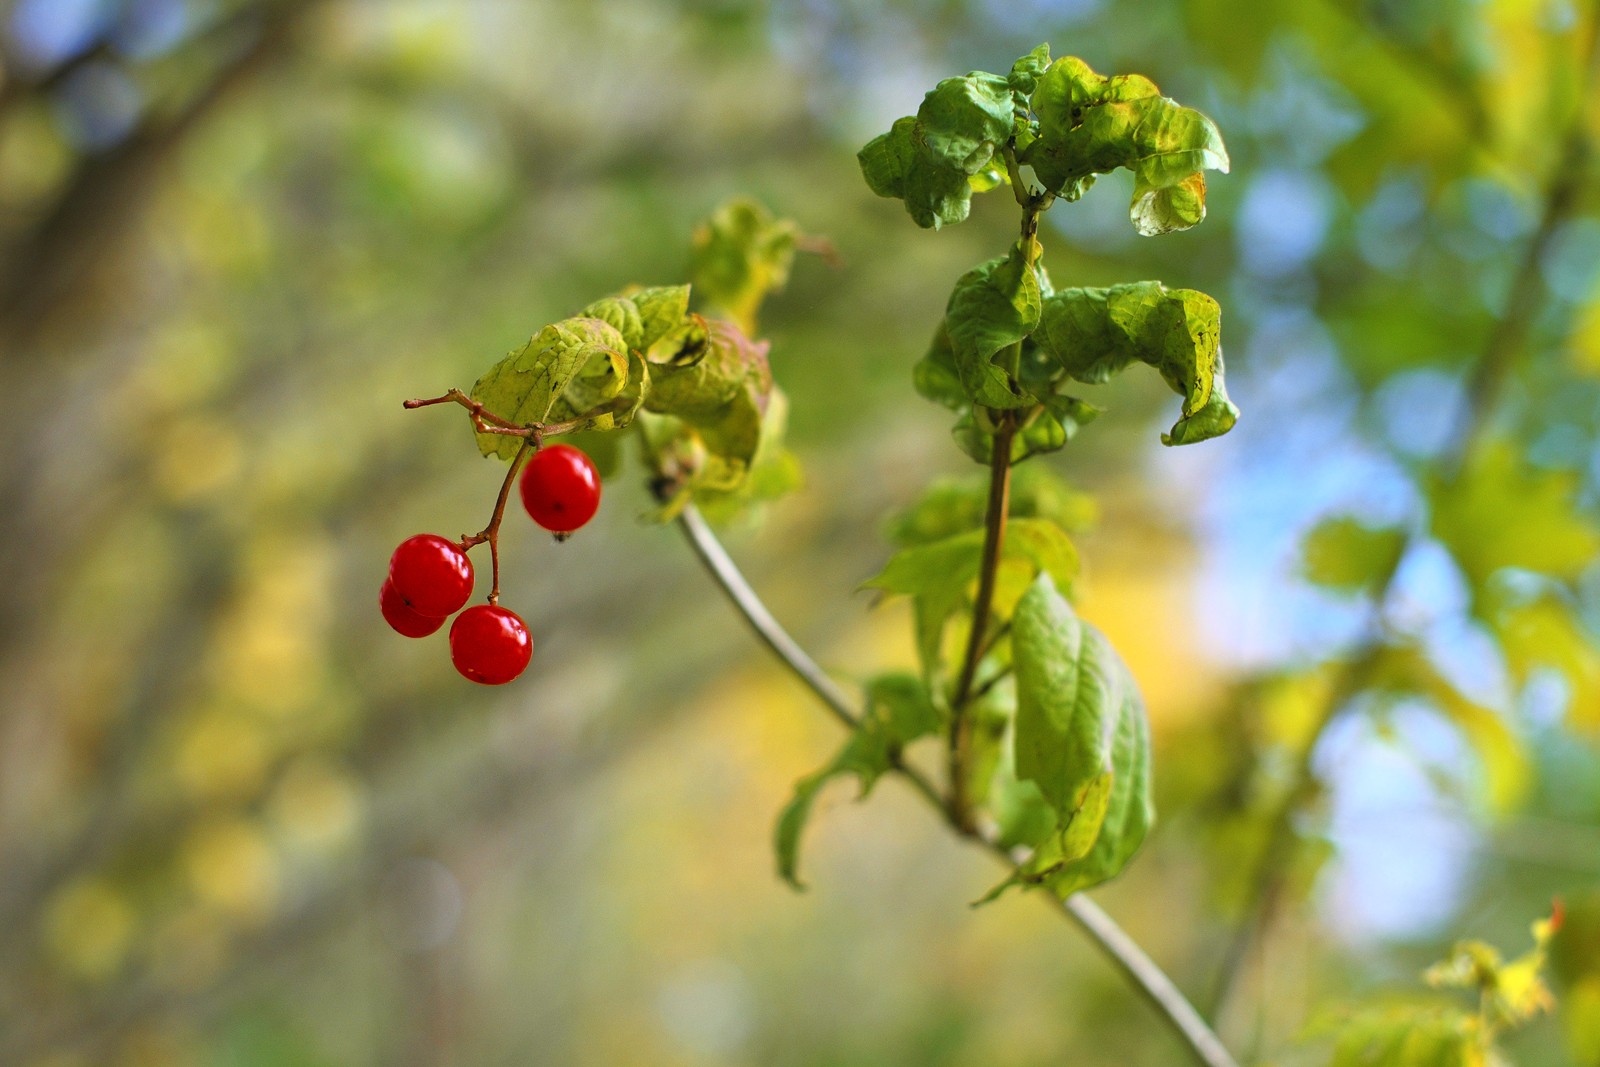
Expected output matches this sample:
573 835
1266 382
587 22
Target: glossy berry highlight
402 617
489 644
560 488
432 575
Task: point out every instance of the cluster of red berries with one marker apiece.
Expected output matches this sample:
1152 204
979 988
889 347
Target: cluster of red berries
430 577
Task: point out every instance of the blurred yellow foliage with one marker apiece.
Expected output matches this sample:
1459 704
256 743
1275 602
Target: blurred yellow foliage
221 754
267 652
88 928
33 158
316 803
232 867
198 456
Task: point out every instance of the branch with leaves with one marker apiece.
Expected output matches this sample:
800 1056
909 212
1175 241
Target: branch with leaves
1046 741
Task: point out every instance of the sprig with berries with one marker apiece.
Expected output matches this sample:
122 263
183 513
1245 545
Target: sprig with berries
430 577
1041 728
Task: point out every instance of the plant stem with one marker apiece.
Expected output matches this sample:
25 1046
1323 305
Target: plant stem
486 421
716 560
491 532
1152 983
1487 379
1147 977
994 532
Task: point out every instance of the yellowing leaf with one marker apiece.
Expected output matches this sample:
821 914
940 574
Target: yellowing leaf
233 868
1089 124
1346 555
523 388
1546 633
1511 993
741 253
1500 512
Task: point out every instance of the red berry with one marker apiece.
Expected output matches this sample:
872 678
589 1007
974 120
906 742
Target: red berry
560 488
402 616
489 644
432 575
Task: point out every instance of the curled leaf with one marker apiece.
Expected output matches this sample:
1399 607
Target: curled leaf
1094 333
1089 124
927 161
993 307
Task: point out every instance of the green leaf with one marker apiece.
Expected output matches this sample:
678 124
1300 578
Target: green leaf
714 385
896 164
1409 1035
1024 816
899 710
935 375
773 471
1163 209
642 316
741 253
1083 739
622 314
994 306
952 506
1025 72
1345 555
1047 429
602 398
1501 512
1089 124
1094 333
965 120
711 364
929 161
524 387
662 309
939 576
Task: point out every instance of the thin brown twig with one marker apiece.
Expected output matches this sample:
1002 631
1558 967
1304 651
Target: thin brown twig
994 527
491 532
486 421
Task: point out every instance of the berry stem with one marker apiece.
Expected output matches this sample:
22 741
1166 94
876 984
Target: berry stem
486 421
532 435
491 532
